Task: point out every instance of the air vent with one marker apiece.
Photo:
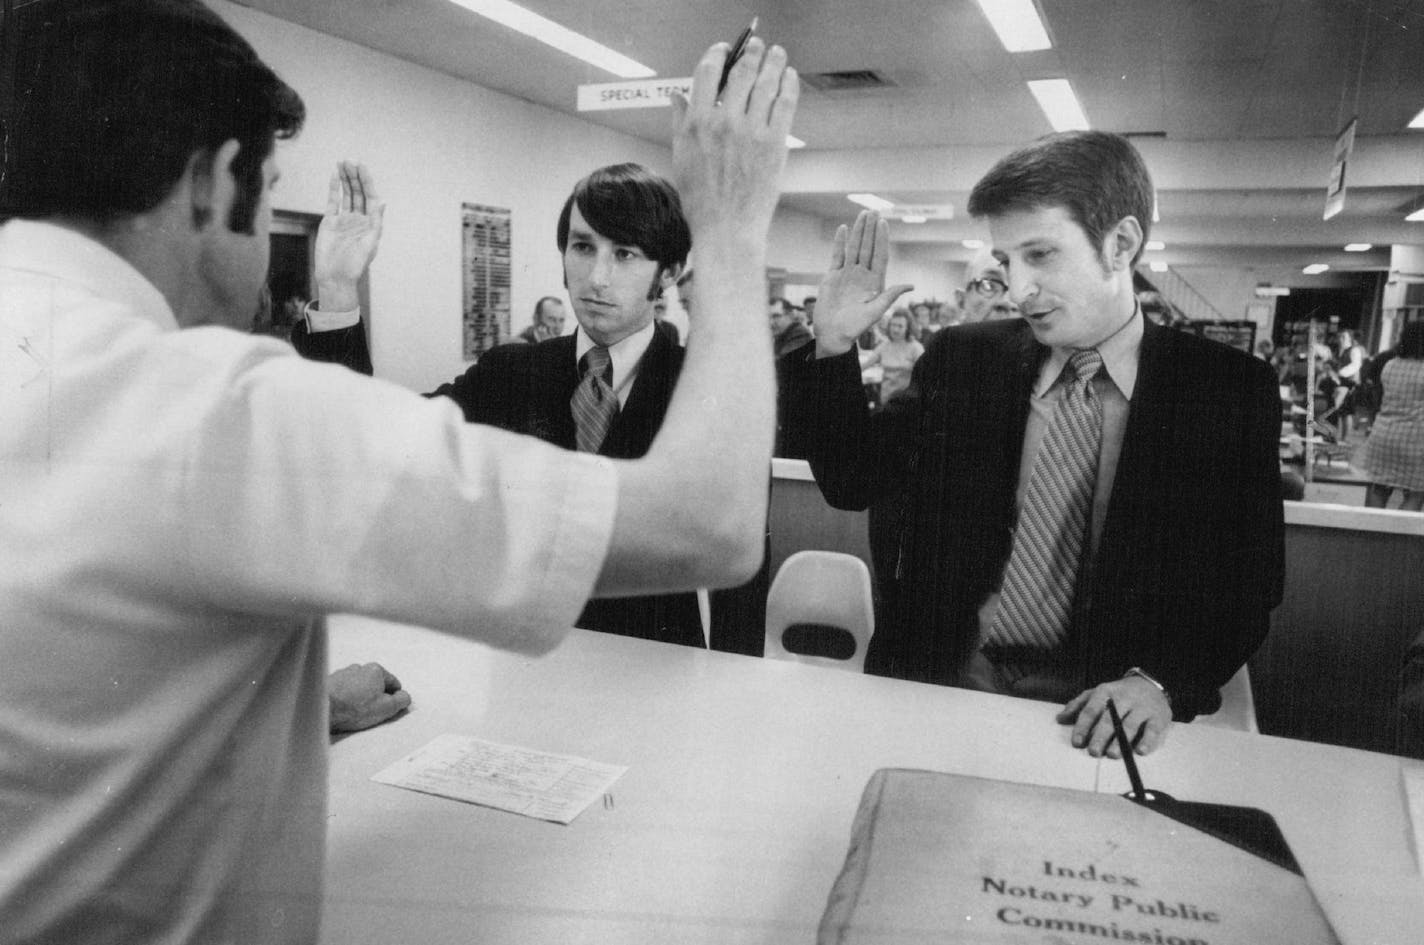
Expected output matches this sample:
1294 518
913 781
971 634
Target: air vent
851 80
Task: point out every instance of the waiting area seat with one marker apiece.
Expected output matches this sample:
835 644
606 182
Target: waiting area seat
820 610
1238 705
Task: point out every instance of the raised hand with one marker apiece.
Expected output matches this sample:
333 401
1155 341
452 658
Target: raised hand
728 154
852 295
347 238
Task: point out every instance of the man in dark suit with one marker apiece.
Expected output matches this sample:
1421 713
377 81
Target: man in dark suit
623 240
1178 554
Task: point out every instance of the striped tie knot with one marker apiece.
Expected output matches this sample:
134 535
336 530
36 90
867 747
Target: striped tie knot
1085 364
597 362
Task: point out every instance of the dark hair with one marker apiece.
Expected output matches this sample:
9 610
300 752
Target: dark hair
1411 340
118 95
539 305
628 204
1099 178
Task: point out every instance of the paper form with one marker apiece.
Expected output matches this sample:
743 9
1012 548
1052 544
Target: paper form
506 777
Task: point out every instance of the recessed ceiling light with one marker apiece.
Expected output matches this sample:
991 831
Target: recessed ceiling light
1017 23
794 142
1418 120
871 202
1359 247
1154 246
913 218
1157 266
561 38
1315 269
1270 291
1059 104
972 244
1416 217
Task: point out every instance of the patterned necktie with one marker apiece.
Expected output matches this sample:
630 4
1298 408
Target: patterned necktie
1037 596
594 404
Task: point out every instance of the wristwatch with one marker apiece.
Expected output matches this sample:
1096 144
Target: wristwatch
1144 674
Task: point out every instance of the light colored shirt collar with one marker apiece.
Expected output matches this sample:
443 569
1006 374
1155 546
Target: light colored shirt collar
70 256
625 356
1119 352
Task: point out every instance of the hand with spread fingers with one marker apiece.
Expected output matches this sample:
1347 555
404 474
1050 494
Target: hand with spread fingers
1145 710
728 152
852 295
347 237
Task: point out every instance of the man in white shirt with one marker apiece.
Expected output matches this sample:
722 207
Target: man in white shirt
180 503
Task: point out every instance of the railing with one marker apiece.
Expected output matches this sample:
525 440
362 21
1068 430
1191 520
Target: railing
1183 297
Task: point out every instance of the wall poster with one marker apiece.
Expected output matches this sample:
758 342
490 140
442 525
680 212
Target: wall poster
487 269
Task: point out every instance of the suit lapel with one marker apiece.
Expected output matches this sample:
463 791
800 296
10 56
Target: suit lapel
639 419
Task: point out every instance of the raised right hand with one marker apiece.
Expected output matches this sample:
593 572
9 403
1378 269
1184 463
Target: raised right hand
347 237
852 295
728 154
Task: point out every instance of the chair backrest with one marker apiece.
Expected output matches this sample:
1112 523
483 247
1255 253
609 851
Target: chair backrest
819 594
1238 706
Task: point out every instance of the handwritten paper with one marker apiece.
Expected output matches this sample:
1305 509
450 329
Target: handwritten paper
506 777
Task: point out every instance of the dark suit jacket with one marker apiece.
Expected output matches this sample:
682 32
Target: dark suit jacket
1191 558
527 388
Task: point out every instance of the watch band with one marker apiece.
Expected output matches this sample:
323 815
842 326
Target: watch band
1144 674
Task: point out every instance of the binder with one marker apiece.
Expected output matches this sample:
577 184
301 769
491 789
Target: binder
948 858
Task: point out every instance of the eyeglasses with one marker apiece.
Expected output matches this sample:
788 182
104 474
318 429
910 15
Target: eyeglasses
989 288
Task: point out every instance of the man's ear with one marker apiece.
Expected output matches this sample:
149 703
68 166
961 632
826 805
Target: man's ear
1122 243
667 276
212 188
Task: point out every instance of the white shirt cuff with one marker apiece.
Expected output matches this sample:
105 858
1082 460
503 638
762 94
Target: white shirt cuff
329 321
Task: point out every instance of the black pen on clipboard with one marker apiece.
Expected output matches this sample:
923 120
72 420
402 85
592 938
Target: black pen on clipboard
739 47
1125 744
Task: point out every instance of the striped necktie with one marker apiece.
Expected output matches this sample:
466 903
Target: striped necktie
594 404
1036 601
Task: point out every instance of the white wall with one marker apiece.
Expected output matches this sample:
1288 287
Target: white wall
434 142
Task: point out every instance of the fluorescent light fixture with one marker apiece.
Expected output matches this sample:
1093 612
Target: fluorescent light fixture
1359 247
871 202
1315 269
561 38
1154 246
913 218
1156 214
1269 291
1418 120
1017 23
1416 217
972 244
1056 98
1157 266
794 142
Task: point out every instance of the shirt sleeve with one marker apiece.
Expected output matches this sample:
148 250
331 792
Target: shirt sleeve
312 490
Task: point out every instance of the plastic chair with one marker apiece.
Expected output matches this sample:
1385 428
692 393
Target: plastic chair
1238 705
822 598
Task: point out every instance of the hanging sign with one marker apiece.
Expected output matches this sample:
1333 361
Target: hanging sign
1335 189
639 93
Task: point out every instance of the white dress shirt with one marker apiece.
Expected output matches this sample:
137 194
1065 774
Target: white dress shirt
178 509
